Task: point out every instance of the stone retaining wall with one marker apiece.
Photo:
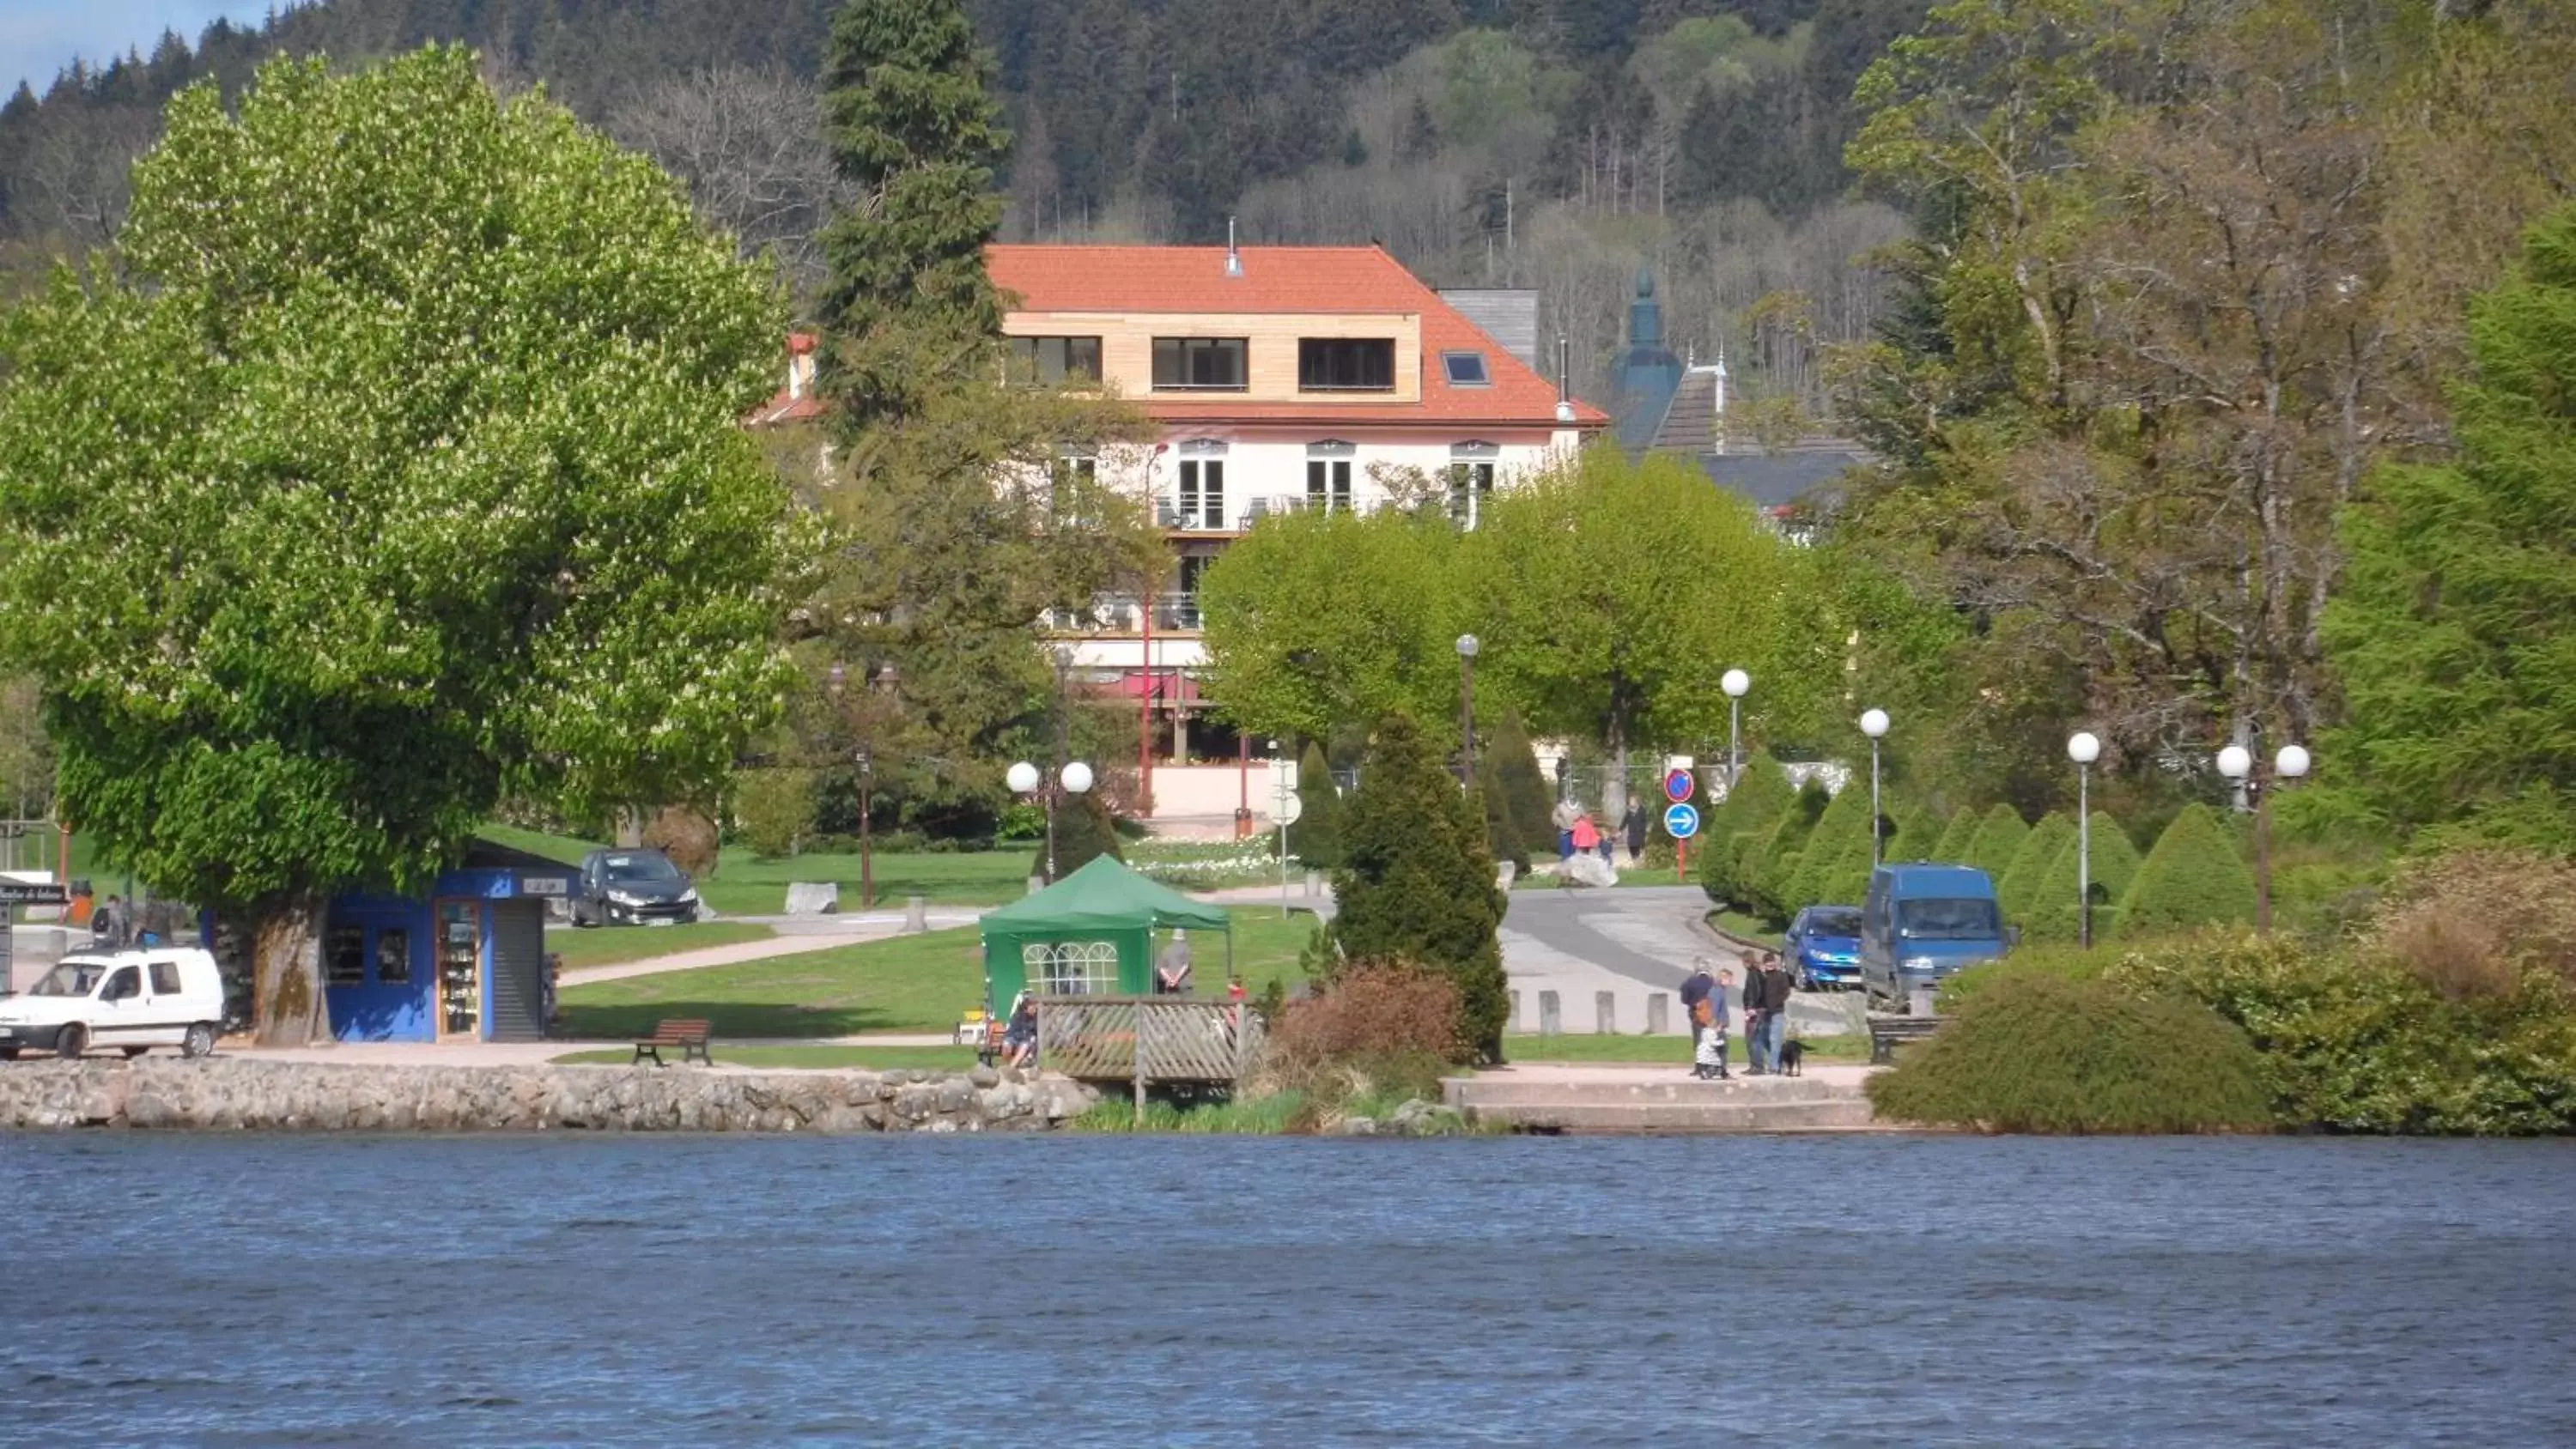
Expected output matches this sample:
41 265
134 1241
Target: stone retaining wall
223 1094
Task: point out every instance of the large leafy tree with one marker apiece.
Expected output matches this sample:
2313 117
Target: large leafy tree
1315 620
2152 342
2455 631
391 470
1611 596
1416 882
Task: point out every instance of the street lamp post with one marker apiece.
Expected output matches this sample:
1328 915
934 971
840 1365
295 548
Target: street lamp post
1735 682
1873 723
1026 779
1467 711
2240 766
2084 749
867 780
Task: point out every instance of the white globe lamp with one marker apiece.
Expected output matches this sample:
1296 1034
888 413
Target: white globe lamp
1874 723
1022 778
1077 778
2235 762
2292 762
1735 682
2083 748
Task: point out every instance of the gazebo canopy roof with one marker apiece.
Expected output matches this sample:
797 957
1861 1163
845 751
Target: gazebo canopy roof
1103 896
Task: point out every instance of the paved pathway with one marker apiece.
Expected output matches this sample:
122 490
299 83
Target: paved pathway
796 935
1630 941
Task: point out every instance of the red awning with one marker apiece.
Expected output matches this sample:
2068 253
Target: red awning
1167 685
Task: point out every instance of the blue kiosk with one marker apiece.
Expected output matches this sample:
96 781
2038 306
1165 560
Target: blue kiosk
465 962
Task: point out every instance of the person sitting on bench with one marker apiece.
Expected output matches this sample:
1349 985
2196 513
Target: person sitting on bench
1172 968
1020 1038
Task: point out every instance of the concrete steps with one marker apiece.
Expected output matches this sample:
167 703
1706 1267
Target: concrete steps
1668 1102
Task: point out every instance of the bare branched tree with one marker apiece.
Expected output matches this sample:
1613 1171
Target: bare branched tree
749 146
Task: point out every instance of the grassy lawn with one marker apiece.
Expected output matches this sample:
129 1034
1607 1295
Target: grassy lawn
907 983
873 1058
1739 924
746 885
536 842
1659 1050
615 944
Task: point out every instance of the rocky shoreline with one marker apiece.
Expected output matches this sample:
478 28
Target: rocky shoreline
220 1094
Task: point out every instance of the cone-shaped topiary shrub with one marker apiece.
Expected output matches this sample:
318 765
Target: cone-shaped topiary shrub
1769 868
2053 914
2193 877
1754 806
2017 889
1845 823
1315 836
1417 882
2038 1051
1953 845
1997 836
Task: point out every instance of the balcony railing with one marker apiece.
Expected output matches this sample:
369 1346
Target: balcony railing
1175 611
1203 518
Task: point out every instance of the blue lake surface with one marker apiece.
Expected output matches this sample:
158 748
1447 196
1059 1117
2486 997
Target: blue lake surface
1087 1291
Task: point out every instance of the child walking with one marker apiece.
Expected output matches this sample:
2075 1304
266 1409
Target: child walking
1708 1059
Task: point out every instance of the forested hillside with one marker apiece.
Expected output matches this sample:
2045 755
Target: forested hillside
1553 144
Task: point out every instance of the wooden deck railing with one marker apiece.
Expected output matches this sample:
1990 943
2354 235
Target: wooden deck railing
1145 1040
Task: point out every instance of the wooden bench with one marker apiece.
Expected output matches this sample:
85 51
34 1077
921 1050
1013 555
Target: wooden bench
1886 1032
689 1036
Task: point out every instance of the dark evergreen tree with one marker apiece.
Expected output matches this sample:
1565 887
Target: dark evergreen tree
918 138
1316 836
1517 798
1084 831
1417 883
2454 630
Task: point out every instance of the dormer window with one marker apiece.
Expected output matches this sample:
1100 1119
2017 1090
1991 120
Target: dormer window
1199 364
1346 364
1465 369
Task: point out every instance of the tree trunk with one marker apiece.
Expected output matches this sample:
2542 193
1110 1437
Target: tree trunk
288 1007
1614 790
630 827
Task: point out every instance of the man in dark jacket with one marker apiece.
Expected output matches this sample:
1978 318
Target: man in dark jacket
1766 1013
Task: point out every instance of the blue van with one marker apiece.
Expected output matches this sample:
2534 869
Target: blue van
1923 922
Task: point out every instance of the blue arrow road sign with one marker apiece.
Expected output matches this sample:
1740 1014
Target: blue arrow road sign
1682 822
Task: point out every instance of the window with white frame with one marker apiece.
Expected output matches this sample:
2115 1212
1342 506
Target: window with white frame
1071 485
1198 494
1328 475
1071 968
1471 481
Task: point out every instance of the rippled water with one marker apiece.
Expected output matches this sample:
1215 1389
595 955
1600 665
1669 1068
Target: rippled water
456 1291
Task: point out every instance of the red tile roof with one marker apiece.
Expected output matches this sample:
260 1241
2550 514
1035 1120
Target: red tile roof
1150 279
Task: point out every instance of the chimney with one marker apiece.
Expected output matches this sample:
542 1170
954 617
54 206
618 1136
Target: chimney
1564 381
1233 258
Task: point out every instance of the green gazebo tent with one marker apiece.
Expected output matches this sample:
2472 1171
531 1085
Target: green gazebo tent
1089 934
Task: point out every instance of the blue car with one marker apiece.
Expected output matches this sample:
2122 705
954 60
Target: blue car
1823 948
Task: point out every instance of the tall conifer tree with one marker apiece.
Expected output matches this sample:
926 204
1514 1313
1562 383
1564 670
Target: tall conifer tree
1417 882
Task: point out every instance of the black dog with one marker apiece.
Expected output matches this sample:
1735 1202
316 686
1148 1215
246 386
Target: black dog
1791 1051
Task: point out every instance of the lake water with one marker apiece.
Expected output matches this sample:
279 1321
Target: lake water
1738 1291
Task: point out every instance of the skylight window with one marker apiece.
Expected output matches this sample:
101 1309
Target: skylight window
1465 369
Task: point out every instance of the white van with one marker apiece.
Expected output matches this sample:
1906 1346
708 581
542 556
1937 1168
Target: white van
130 1000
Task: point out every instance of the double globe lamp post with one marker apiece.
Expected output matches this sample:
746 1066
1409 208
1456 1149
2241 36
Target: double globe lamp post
1073 779
2241 766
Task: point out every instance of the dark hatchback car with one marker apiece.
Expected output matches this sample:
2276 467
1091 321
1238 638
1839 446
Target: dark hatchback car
632 888
1823 947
